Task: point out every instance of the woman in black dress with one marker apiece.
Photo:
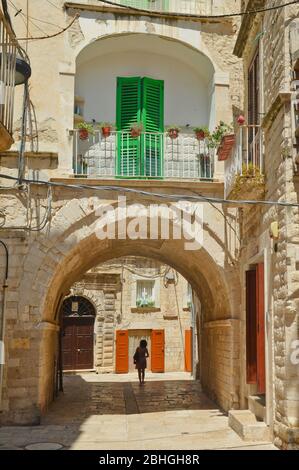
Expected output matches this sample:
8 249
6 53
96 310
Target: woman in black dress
140 359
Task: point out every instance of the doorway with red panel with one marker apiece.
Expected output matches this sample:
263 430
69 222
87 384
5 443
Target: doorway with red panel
255 328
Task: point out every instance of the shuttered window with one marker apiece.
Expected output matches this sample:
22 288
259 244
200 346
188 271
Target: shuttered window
140 100
157 5
253 91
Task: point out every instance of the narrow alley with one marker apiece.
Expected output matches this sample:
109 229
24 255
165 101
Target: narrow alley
115 412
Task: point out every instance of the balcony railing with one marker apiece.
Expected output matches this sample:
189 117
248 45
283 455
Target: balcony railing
192 7
8 49
149 156
246 158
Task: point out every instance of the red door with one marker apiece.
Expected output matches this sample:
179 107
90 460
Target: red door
157 344
188 350
260 310
251 340
77 343
255 328
122 352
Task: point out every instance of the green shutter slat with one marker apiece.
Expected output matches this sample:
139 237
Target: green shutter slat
161 5
153 123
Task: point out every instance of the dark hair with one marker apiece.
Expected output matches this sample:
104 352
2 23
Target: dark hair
143 343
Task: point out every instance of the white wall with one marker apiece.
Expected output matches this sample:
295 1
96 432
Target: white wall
187 88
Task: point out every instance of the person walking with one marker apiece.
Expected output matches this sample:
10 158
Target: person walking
140 356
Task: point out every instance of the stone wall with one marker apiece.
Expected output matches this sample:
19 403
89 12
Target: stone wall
280 256
220 366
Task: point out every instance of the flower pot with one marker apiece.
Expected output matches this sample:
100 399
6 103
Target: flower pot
83 134
173 133
135 133
106 131
200 135
225 147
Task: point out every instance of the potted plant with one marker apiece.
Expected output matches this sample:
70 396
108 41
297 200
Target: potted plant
136 129
106 129
173 131
201 132
84 130
223 138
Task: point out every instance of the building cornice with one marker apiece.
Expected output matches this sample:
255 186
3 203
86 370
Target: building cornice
282 98
246 26
153 14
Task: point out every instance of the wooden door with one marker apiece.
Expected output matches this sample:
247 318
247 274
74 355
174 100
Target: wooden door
260 310
122 352
255 328
77 343
157 344
188 350
251 350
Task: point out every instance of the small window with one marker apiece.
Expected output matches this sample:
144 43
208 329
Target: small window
145 293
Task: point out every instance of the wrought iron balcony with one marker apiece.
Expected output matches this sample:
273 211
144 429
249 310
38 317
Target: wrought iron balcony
246 159
148 156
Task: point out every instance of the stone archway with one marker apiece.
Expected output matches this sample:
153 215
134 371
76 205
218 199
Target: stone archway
55 261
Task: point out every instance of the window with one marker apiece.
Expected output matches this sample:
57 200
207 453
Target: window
140 100
145 293
254 108
158 5
253 91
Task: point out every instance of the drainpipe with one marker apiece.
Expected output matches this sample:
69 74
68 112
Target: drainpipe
2 319
193 340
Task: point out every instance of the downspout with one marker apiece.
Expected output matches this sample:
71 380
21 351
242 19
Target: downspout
194 336
2 319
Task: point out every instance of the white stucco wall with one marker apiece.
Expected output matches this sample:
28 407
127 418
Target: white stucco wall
187 88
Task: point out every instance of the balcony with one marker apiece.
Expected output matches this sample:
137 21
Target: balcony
244 170
8 50
149 156
184 7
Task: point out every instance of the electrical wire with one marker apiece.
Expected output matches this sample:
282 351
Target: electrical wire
172 197
50 36
225 15
20 11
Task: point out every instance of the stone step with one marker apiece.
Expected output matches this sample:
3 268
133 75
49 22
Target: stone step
245 424
256 405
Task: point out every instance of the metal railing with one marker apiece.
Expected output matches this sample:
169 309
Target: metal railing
247 156
195 7
149 156
8 52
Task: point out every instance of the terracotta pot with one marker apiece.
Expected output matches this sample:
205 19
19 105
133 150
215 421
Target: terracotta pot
135 132
226 146
173 133
83 134
200 135
106 131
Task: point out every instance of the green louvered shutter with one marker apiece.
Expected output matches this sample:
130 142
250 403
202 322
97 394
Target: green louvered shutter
142 4
128 112
152 141
156 5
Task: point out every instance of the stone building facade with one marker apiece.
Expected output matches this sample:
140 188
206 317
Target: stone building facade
132 294
270 233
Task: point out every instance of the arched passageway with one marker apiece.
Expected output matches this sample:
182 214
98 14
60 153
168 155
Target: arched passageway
55 262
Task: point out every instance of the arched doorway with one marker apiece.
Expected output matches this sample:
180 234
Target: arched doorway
78 317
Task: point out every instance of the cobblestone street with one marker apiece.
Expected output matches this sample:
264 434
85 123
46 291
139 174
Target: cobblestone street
115 412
